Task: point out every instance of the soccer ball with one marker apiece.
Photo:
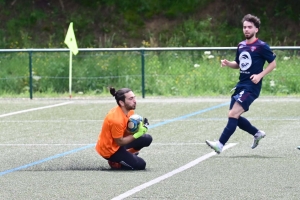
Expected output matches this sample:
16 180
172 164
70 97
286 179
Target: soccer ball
133 123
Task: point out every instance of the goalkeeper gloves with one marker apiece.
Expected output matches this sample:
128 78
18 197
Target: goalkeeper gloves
146 123
142 129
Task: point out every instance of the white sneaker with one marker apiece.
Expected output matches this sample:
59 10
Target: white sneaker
217 146
257 137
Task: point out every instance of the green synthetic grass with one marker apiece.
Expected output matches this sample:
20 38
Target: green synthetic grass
268 172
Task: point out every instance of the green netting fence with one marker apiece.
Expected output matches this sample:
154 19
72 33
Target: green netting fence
147 71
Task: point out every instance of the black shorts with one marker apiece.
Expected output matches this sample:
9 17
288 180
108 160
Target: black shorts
244 97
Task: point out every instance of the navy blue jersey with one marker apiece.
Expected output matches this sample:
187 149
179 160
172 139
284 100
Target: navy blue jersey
251 59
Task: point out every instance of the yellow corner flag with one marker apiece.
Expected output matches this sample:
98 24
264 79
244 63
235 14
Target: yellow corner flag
70 40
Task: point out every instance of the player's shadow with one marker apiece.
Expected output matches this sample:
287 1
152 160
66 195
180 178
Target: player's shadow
67 168
75 168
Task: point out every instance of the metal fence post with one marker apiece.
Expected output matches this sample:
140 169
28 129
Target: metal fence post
143 72
30 74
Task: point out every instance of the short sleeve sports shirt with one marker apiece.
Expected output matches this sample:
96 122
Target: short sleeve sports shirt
114 126
251 59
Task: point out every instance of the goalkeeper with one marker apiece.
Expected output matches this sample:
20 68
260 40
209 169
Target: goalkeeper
115 143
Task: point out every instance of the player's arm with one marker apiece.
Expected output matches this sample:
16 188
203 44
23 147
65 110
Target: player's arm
129 138
269 68
120 137
231 64
124 140
255 78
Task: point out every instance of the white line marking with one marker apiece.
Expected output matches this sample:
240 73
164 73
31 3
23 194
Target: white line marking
44 144
159 120
165 176
70 144
34 109
178 144
54 121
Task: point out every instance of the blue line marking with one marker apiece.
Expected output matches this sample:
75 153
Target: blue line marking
189 115
92 145
45 160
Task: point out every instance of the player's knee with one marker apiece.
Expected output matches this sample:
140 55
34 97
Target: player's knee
230 115
147 140
233 114
140 165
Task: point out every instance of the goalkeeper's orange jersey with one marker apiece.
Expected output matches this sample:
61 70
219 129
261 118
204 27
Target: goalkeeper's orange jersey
114 126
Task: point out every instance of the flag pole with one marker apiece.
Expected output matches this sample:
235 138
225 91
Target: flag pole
70 76
70 41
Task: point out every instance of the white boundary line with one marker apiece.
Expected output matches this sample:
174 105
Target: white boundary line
56 121
32 145
74 144
34 109
168 175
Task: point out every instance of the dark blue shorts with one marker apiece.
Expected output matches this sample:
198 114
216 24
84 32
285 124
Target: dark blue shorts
243 97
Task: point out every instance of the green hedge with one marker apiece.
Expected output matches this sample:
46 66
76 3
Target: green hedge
167 73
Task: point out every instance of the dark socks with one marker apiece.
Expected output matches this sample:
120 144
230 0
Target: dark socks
228 130
245 125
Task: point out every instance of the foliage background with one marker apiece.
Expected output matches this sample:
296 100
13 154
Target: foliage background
152 23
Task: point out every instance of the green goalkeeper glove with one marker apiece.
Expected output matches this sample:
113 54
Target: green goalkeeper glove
142 130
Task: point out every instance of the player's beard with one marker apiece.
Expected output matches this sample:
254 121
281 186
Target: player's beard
248 37
130 107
